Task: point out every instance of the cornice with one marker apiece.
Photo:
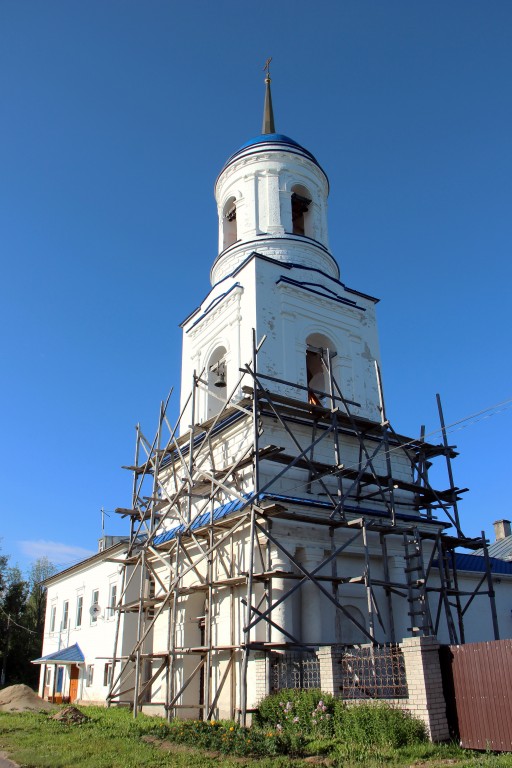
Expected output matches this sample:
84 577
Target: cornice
322 300
285 161
210 316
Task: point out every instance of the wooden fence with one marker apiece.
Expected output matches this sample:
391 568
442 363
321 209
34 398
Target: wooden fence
477 682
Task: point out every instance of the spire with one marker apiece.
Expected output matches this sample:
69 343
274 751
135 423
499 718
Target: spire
268 112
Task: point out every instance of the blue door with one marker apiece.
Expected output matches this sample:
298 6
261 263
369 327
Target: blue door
60 678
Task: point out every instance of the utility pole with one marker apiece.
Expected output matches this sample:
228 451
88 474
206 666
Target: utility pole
6 653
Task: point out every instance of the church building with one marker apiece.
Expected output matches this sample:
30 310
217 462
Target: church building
282 521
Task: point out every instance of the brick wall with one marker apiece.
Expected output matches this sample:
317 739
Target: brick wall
425 698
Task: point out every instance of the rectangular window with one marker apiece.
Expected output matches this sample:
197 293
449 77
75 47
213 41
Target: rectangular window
79 609
48 677
107 674
112 601
65 614
90 675
95 608
53 616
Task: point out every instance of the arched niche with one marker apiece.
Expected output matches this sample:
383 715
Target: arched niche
318 350
350 633
229 225
217 377
302 215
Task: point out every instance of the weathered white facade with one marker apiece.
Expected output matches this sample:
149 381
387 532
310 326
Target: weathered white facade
281 284
81 615
283 514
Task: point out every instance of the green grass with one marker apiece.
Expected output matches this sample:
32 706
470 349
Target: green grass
113 739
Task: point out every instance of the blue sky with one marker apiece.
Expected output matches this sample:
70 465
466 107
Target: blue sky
117 116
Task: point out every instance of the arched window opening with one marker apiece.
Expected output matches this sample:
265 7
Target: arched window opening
316 376
151 596
318 351
301 214
217 382
229 223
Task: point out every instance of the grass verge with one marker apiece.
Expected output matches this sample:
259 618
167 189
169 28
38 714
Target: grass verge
112 739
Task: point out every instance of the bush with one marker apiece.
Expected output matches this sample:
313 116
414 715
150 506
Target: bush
292 722
377 725
306 713
222 736
307 717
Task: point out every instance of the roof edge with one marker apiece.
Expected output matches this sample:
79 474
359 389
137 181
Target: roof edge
98 556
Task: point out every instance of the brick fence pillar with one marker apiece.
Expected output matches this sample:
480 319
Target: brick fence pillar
330 668
425 684
262 676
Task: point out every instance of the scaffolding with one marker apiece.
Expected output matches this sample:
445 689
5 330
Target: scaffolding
208 501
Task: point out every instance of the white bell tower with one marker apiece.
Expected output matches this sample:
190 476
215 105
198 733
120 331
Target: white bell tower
275 273
272 197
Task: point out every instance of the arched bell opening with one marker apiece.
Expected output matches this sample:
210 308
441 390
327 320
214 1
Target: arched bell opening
319 349
217 381
301 211
229 226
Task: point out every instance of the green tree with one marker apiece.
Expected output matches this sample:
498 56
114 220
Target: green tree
22 612
13 630
41 569
36 604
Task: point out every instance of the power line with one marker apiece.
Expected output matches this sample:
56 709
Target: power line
455 426
20 626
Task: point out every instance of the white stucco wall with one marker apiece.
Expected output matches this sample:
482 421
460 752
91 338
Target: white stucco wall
288 306
94 635
478 625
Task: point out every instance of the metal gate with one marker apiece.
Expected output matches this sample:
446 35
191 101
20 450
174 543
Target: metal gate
477 681
294 670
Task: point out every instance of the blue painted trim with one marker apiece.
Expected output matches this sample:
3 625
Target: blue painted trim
305 287
267 142
218 514
287 237
352 508
212 305
198 439
283 265
263 138
293 265
237 505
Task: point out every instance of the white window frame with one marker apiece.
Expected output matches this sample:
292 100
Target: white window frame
65 614
112 600
53 617
95 598
89 675
79 615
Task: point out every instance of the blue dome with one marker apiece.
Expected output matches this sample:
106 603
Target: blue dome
278 138
272 138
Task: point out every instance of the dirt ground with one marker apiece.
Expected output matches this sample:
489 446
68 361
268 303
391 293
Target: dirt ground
21 698
71 716
5 762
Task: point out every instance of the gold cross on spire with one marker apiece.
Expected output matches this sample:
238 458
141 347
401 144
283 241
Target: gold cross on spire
268 112
266 68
